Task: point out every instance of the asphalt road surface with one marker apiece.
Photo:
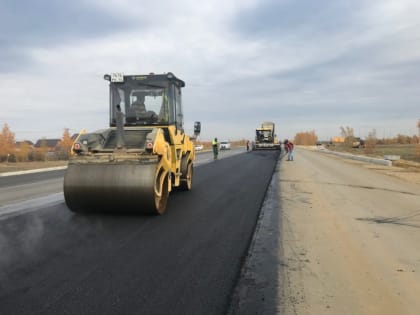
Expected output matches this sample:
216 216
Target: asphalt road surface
53 261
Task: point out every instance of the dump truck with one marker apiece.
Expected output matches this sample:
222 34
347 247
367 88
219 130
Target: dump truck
265 138
133 165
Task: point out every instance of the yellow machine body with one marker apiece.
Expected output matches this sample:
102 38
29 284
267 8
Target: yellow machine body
132 167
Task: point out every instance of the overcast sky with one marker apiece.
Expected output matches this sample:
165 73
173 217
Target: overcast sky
306 65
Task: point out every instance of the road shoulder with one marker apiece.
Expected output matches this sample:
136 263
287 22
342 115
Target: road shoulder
320 246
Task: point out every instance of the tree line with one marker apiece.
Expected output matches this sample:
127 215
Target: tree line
24 151
369 143
306 138
11 151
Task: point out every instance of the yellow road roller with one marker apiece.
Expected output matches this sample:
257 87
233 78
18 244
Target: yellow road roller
133 165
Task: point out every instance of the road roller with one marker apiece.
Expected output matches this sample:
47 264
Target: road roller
133 165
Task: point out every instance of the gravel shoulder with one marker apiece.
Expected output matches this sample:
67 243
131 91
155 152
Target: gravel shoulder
334 236
349 233
405 170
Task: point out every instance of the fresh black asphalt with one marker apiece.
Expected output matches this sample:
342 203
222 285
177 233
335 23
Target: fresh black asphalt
187 261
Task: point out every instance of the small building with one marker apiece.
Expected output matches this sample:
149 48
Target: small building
29 143
337 140
50 144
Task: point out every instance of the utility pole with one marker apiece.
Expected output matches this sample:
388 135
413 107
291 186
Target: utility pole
418 127
418 139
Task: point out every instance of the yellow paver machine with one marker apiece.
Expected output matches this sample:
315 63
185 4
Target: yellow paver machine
265 137
134 164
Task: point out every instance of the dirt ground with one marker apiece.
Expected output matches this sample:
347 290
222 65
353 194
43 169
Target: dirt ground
350 235
402 169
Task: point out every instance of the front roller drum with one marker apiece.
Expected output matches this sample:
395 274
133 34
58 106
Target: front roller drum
127 187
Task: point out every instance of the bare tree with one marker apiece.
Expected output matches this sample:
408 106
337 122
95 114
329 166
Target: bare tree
348 134
418 144
370 142
41 153
306 138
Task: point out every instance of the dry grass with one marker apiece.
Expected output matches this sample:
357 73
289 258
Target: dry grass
23 166
414 166
407 152
405 169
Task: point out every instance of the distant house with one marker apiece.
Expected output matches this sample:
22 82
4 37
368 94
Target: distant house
28 142
24 146
51 144
337 140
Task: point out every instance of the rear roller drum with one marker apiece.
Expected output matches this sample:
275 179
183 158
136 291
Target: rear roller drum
187 177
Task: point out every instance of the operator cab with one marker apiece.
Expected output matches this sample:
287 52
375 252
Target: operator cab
146 100
263 135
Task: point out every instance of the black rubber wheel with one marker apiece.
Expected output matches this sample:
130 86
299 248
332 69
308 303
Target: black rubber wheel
187 178
161 193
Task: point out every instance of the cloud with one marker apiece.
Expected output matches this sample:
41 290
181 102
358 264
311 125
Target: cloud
306 65
47 23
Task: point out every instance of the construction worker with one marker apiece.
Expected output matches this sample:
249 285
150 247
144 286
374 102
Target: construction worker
289 147
215 145
119 115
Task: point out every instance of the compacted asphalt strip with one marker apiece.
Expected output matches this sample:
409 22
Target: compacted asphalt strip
187 261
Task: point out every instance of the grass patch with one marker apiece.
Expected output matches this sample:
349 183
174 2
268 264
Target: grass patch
407 152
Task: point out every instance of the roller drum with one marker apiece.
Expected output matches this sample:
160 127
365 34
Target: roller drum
110 187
